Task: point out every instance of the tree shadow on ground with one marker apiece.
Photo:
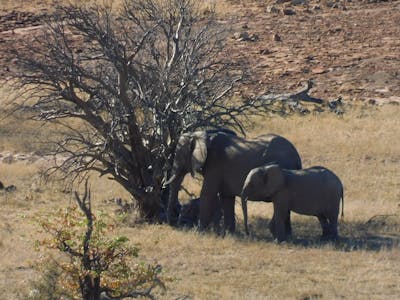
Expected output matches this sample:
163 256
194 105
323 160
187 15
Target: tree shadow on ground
378 233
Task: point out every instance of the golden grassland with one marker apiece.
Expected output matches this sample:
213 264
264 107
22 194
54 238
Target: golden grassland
362 147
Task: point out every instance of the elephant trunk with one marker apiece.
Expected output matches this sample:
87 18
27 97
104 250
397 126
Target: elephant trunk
173 203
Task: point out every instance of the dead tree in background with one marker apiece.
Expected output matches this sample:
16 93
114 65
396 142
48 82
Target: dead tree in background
125 84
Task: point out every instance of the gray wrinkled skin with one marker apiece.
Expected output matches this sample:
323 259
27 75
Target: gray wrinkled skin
224 160
315 191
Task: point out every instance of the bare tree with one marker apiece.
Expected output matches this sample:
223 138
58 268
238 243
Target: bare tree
134 79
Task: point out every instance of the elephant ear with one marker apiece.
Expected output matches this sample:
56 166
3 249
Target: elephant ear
199 151
273 179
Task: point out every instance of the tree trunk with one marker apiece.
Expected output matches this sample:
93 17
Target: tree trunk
91 288
149 206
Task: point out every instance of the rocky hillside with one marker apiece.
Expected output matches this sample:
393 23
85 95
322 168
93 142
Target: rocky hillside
351 49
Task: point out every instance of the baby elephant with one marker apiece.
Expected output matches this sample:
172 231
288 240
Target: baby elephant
315 191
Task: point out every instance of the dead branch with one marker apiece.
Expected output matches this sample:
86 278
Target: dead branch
381 217
126 85
294 101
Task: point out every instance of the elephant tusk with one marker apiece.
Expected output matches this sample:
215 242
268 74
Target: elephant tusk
169 181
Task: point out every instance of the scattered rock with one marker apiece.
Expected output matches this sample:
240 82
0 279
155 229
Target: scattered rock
331 4
383 90
335 103
394 100
254 37
240 35
273 10
265 51
336 106
288 12
335 30
8 159
298 2
319 70
244 36
18 19
22 156
372 102
276 37
10 188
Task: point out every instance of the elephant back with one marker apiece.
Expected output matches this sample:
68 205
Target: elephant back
231 158
281 151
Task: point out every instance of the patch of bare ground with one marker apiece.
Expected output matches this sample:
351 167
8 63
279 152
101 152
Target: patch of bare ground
349 48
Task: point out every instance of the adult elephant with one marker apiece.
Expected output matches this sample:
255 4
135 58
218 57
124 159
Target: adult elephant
224 160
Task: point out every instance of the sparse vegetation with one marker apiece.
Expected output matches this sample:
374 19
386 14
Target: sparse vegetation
364 262
362 147
95 263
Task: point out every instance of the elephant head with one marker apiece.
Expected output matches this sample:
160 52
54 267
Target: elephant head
190 154
261 184
190 157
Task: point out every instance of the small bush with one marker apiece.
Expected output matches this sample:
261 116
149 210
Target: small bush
47 286
92 263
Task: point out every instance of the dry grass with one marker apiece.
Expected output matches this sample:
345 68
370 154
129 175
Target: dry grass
362 147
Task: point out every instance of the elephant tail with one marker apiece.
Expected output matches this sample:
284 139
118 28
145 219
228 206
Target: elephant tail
342 214
300 166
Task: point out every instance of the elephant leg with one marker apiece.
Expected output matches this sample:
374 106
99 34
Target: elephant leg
272 227
324 225
280 217
208 212
228 205
209 202
333 223
288 225
217 216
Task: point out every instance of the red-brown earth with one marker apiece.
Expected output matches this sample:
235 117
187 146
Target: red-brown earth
351 49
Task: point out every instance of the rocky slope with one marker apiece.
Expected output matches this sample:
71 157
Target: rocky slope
351 49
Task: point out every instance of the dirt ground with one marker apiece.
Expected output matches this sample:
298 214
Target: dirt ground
349 48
